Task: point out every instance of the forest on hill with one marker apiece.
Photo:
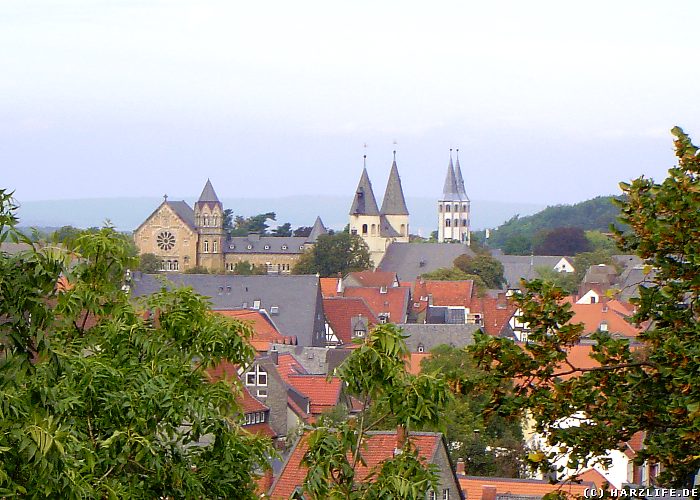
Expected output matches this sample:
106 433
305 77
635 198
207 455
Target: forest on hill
542 232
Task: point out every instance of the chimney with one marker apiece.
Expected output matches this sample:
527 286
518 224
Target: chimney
488 493
400 438
274 355
340 289
460 466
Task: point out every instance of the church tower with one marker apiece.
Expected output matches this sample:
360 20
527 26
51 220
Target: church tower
454 207
364 213
394 211
209 221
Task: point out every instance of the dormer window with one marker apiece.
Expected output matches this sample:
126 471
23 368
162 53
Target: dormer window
231 247
301 247
603 326
250 247
421 348
382 289
267 247
284 247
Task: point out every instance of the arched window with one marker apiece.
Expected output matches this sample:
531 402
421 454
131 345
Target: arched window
206 221
206 246
374 229
456 224
364 228
403 229
464 223
176 265
447 208
215 245
447 222
464 208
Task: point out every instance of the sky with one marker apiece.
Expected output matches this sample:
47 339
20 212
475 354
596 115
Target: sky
548 101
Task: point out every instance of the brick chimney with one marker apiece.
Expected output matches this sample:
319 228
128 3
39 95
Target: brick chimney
460 466
488 493
400 439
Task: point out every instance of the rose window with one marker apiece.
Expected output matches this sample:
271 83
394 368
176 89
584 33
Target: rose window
165 241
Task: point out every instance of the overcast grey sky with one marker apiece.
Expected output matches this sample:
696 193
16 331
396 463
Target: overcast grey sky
548 101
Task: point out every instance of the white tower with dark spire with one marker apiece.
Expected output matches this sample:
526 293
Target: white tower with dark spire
453 207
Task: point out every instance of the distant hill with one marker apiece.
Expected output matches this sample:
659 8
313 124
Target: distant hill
127 213
595 214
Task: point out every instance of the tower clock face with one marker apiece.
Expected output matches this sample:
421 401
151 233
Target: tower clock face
165 240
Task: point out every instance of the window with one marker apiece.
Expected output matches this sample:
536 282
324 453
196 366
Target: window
262 376
165 240
447 208
431 495
374 229
267 247
447 222
445 494
464 223
359 332
256 304
301 247
456 223
206 246
403 229
603 326
439 208
464 208
250 378
284 247
262 393
231 247
215 246
364 228
421 348
353 231
250 247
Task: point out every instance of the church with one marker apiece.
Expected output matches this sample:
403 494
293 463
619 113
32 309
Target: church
184 238
454 207
379 228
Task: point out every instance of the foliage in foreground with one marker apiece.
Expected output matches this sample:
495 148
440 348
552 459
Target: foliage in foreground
99 401
335 253
375 372
654 387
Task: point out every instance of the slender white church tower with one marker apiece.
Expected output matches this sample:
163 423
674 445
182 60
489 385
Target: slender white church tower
453 208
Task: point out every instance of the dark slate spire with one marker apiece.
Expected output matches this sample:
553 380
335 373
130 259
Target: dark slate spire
394 202
451 190
460 181
317 230
208 194
364 203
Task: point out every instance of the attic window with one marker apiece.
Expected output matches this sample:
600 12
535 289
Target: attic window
421 348
228 290
359 332
250 247
274 310
301 247
231 247
603 326
267 247
382 289
284 247
256 304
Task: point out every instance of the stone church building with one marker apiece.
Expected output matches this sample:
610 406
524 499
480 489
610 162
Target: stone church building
183 237
454 207
379 228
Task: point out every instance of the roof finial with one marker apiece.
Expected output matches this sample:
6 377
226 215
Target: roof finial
457 154
364 160
450 153
165 197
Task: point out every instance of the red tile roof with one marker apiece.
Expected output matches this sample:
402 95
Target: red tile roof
394 301
611 312
378 446
288 365
496 312
373 278
473 487
264 332
446 293
340 311
414 361
329 287
593 476
323 394
249 404
261 429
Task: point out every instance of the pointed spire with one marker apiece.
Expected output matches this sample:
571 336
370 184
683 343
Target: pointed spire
317 230
394 203
208 194
450 192
460 181
364 203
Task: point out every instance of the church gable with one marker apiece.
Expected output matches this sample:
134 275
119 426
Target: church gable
168 233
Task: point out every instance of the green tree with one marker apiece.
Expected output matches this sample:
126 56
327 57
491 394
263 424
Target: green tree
302 231
228 221
247 269
517 245
149 263
335 253
602 242
489 444
563 241
197 270
99 401
283 230
243 226
652 387
376 372
486 267
566 281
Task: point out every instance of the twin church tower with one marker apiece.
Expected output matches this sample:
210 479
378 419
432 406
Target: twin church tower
381 227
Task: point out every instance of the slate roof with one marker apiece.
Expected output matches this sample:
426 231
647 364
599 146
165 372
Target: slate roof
364 202
317 230
460 180
255 244
517 267
473 487
341 310
314 360
410 260
386 230
297 298
430 336
450 192
394 202
377 447
394 301
183 210
208 194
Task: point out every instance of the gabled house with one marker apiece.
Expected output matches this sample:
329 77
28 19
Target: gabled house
373 279
265 332
517 267
492 488
410 260
389 305
347 318
378 447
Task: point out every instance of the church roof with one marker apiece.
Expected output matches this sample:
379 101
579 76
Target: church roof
317 230
208 194
460 180
364 203
183 210
386 230
451 190
394 202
